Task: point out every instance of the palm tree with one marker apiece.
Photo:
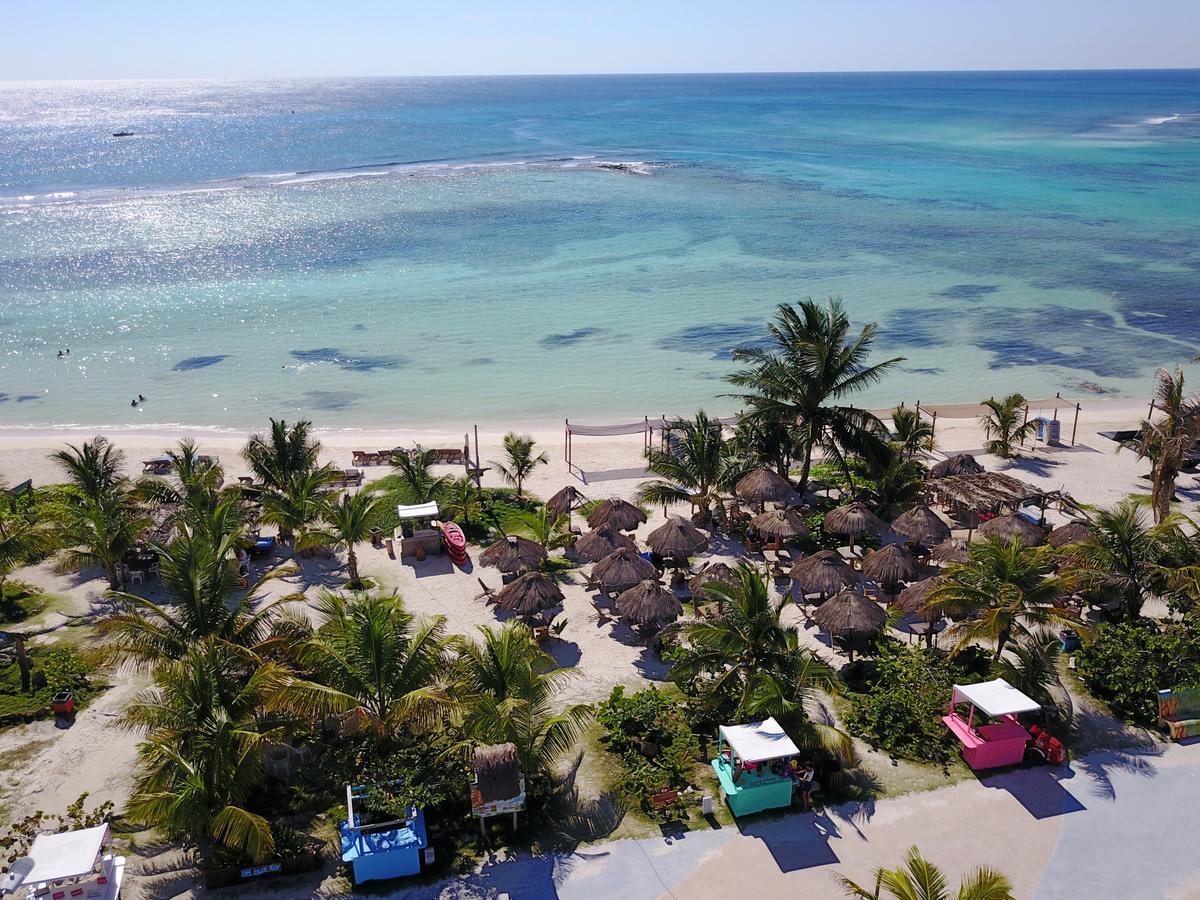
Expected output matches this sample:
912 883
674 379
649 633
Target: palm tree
99 531
94 469
919 879
1168 441
812 363
520 460
419 484
697 466
194 482
910 433
507 691
1003 425
279 457
765 442
23 539
372 662
462 500
345 522
550 530
297 506
898 485
206 737
1007 588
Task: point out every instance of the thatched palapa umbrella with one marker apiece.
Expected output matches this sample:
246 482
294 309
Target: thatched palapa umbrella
1071 533
565 500
599 542
649 605
762 485
676 538
922 525
913 601
532 593
1012 527
891 565
620 514
853 519
849 616
959 464
622 569
514 554
784 524
824 573
713 573
951 550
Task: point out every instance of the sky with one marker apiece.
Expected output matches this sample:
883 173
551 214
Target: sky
70 39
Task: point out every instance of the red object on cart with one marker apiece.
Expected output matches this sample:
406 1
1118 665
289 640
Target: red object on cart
456 543
63 703
1045 746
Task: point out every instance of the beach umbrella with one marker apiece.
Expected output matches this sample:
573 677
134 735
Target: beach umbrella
824 573
1012 527
951 550
649 605
718 573
622 569
890 565
599 542
959 464
762 485
853 519
923 525
514 554
848 616
913 598
1071 533
620 514
532 593
676 538
784 524
564 501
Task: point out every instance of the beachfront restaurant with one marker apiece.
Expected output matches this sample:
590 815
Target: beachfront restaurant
1003 740
752 766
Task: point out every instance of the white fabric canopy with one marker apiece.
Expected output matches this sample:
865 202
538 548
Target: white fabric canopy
996 698
759 741
71 854
420 511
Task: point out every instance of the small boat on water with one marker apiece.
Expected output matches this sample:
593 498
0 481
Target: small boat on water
122 134
456 543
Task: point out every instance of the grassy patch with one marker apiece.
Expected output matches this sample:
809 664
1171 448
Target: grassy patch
20 602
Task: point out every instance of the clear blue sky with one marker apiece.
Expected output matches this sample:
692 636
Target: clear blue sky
47 39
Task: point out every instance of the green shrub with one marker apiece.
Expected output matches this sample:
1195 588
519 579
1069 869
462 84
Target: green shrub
1127 663
19 601
648 733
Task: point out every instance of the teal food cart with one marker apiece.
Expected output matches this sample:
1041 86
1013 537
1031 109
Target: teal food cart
752 766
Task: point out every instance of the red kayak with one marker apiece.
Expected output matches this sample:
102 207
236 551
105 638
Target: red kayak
455 542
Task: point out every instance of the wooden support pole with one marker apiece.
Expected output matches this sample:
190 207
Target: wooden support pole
1075 426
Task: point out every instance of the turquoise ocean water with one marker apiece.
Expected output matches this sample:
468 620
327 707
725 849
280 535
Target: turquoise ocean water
415 252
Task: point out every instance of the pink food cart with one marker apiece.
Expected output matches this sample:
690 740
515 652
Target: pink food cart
1003 741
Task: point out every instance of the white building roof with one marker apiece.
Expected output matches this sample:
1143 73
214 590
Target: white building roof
996 698
71 854
759 741
420 511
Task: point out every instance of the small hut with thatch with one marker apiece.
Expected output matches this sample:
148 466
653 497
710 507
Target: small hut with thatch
649 606
1013 527
762 485
600 542
1071 533
529 595
891 566
712 573
621 570
676 538
824 573
780 524
620 514
959 464
951 550
499 786
513 554
852 520
922 526
849 617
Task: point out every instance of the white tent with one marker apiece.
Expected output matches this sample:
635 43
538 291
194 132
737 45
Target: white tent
759 741
71 854
420 511
996 698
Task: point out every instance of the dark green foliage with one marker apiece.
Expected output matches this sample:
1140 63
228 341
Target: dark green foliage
496 504
61 666
1127 663
16 840
19 601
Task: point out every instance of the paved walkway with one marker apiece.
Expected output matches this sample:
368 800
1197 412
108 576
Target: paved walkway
1116 824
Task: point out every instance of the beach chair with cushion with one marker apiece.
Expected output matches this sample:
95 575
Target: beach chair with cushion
1179 712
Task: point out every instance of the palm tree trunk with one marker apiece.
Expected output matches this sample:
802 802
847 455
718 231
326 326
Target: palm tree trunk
352 563
1001 640
110 570
1164 490
802 487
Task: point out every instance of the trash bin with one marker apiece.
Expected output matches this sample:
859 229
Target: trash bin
1053 431
1041 427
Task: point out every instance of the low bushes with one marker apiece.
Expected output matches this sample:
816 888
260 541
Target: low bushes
54 669
1127 663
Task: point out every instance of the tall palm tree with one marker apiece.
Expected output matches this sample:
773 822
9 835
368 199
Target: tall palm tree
1007 589
462 500
507 691
1168 441
898 485
549 529
24 538
1004 426
919 879
94 469
698 466
297 506
812 363
419 484
519 460
346 522
279 457
194 481
910 433
99 531
372 662
765 442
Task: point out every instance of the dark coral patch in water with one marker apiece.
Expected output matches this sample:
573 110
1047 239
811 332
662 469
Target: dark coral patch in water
347 361
329 400
25 398
571 338
718 339
198 362
968 291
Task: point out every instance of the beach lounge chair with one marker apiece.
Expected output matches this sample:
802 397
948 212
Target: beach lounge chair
488 595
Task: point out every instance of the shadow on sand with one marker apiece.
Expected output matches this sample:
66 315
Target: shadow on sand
1037 789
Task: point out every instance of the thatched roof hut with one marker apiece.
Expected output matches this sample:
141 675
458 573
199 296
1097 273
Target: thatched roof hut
853 519
599 542
891 565
1011 527
717 572
497 774
951 550
532 593
824 573
1071 533
913 600
780 523
620 514
565 500
514 554
622 569
959 464
850 615
923 525
676 538
762 485
649 605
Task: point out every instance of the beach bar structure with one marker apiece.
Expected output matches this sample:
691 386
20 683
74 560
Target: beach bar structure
378 850
412 537
73 865
751 766
1003 741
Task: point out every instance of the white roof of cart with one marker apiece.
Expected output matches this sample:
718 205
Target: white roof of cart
996 698
420 511
759 741
71 854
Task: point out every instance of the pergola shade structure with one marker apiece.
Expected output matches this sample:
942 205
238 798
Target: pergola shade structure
712 573
532 593
849 616
781 524
1013 527
959 464
763 485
